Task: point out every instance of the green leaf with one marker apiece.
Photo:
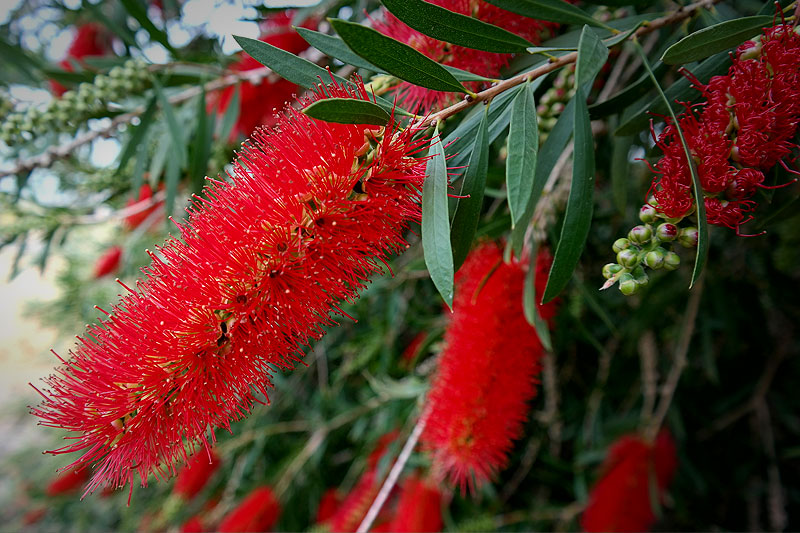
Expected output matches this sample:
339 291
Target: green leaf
578 215
468 210
702 224
121 31
436 224
616 39
137 137
201 144
231 115
636 117
714 39
334 47
396 58
549 154
138 11
552 10
523 147
347 111
592 55
171 178
529 306
455 28
287 65
175 129
620 171
548 50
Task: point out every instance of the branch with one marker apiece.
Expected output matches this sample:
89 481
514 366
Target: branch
394 474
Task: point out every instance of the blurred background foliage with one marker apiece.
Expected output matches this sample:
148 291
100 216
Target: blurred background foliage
153 136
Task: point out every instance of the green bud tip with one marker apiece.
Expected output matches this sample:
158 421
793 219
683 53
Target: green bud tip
628 285
621 244
647 213
688 237
628 258
611 269
655 258
671 261
666 232
640 234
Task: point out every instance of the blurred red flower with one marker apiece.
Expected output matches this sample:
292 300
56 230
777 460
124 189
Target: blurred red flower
145 207
90 40
67 481
195 474
259 511
419 508
108 263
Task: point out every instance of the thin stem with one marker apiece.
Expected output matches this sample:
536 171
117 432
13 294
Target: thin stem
394 474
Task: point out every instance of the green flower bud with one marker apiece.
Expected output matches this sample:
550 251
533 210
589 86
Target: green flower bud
621 244
647 213
640 234
115 73
611 269
628 258
666 232
655 258
101 82
671 261
628 285
688 237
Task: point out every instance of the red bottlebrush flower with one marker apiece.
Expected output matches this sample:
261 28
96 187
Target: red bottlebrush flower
419 508
412 350
144 207
327 505
258 104
263 261
108 263
193 525
487 372
621 500
67 481
482 63
193 477
90 40
745 127
259 511
34 516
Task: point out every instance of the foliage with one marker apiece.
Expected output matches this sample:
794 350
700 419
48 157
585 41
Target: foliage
548 148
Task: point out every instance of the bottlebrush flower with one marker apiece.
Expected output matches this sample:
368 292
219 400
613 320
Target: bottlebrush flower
90 40
259 511
419 508
327 505
258 103
195 474
744 128
193 525
486 64
108 263
67 481
487 371
621 499
310 212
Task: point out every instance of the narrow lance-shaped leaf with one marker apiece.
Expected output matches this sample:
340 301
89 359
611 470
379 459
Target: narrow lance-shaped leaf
578 215
347 111
592 55
138 11
436 223
468 209
145 119
699 199
529 306
714 39
523 147
231 115
552 10
396 58
175 129
455 28
620 168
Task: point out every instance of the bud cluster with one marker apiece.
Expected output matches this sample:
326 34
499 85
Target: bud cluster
647 246
75 106
555 99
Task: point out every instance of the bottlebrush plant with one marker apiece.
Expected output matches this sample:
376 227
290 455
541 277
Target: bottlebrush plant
377 307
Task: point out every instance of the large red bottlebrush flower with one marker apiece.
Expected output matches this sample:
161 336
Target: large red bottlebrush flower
621 499
327 505
193 477
745 127
258 103
310 212
259 511
108 263
486 64
419 508
487 371
90 40
67 481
